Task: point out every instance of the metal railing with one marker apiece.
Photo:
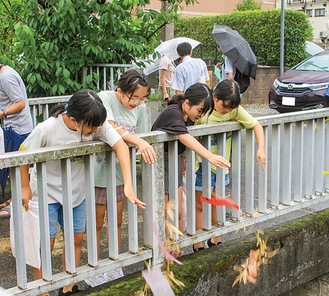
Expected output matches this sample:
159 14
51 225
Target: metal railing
107 75
296 145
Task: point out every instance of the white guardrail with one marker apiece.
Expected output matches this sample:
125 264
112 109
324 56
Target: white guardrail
296 146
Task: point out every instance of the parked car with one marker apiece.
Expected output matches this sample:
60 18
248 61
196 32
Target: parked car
304 87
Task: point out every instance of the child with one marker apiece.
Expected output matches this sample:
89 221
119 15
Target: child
182 111
227 108
127 114
82 118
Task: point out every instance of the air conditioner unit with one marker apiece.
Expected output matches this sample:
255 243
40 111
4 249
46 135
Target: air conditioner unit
324 36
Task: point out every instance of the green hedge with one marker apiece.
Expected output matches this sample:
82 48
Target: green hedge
261 28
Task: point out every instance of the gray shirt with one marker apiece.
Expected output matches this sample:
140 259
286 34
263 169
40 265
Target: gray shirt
12 90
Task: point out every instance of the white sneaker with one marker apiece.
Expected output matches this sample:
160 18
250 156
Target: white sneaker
114 274
96 280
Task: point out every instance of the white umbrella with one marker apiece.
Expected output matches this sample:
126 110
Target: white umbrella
167 48
312 48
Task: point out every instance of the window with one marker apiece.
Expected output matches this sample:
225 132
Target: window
319 12
309 12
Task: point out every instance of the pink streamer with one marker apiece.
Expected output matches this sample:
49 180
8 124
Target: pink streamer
163 248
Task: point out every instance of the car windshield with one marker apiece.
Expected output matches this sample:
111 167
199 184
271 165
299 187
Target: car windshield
316 63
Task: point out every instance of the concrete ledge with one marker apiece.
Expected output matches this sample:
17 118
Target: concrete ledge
303 256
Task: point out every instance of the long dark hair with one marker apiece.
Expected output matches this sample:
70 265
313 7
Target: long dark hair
131 80
228 90
195 94
85 107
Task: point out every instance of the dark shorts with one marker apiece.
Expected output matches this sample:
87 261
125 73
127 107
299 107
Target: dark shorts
101 194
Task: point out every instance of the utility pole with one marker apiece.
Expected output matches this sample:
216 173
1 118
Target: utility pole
167 31
282 39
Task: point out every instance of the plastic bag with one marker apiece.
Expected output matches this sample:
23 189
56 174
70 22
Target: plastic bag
31 235
218 73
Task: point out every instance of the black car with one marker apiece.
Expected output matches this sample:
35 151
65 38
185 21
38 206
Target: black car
304 87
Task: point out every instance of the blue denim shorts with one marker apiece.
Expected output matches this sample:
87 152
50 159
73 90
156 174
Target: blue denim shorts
198 179
55 212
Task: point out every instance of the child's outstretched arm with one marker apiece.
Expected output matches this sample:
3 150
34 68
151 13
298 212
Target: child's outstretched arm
260 155
122 151
145 148
192 143
26 189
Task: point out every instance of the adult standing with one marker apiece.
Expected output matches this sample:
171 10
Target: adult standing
166 76
15 117
227 67
189 71
14 106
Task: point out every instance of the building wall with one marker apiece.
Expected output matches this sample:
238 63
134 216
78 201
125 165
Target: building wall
210 7
309 7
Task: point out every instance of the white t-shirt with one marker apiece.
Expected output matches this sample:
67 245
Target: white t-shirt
227 67
133 121
167 64
54 132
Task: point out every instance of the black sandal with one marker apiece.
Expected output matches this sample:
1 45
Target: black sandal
211 244
197 249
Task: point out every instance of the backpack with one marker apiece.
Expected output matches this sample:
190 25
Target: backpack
243 81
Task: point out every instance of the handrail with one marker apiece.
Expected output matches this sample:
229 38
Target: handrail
296 145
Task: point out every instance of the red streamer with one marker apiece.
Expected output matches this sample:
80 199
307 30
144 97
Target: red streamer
221 201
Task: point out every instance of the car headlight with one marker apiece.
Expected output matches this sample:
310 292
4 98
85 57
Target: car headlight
319 86
276 83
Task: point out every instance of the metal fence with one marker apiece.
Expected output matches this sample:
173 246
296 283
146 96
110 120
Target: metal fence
296 146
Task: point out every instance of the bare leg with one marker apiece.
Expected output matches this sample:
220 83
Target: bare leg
217 239
78 239
198 216
120 205
100 215
37 273
180 208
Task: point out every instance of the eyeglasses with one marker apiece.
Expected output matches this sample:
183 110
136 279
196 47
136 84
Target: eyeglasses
136 101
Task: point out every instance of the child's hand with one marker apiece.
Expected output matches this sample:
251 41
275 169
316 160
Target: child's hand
219 161
261 157
147 151
26 197
130 194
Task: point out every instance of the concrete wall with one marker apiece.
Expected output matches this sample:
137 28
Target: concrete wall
257 93
303 256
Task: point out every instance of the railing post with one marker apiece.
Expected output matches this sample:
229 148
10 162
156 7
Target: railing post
287 164
298 162
236 172
262 177
250 173
319 155
153 193
275 165
308 158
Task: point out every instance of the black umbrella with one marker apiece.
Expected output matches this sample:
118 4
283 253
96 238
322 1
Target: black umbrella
237 49
12 141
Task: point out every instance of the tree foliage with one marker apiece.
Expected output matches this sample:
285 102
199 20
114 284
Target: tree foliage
50 41
244 5
260 28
